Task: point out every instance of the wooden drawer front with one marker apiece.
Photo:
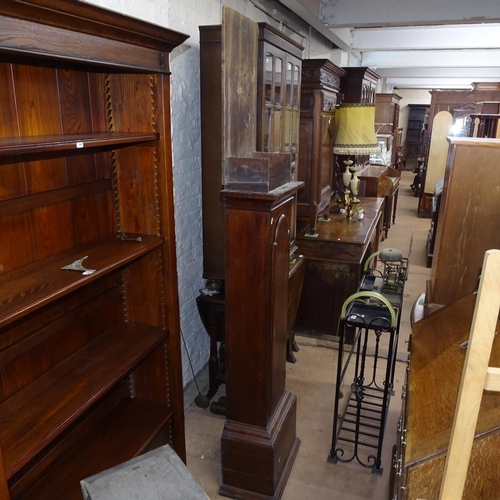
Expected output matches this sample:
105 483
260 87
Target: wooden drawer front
483 479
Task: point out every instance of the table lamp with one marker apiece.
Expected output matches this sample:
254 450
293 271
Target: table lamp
355 125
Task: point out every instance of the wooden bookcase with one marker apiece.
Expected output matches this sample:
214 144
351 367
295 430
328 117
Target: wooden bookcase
90 363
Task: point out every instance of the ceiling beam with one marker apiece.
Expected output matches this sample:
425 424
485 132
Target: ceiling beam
383 13
436 58
483 36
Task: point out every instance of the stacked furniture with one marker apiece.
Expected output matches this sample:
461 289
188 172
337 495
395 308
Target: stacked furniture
259 443
90 359
269 123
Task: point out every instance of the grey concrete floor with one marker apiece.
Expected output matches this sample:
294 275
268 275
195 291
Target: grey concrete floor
312 379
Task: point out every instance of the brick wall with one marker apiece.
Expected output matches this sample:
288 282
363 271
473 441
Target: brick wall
186 16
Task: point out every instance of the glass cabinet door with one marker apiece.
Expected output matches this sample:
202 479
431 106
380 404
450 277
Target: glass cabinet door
278 105
278 110
273 103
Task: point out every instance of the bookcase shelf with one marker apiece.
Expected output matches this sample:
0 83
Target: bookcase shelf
46 407
35 285
46 144
90 354
128 431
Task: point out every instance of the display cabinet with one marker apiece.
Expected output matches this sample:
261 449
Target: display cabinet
387 127
319 96
90 362
275 84
278 93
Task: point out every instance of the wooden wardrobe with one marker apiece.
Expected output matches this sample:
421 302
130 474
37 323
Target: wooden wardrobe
90 362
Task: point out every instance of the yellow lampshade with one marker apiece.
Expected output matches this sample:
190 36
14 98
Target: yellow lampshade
355 130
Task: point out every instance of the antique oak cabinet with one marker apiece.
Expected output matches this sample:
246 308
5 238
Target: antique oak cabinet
429 395
387 113
89 327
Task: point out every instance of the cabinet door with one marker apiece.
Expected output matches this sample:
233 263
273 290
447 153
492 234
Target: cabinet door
273 103
292 112
278 94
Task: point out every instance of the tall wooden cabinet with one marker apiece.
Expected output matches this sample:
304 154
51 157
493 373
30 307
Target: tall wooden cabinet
387 113
90 363
415 130
319 96
273 89
259 442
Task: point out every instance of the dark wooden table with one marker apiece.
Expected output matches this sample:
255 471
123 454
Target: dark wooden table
334 266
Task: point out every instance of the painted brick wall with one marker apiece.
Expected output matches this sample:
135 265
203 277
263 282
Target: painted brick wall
186 16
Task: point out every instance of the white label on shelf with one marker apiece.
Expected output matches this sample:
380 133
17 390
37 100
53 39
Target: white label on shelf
79 144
